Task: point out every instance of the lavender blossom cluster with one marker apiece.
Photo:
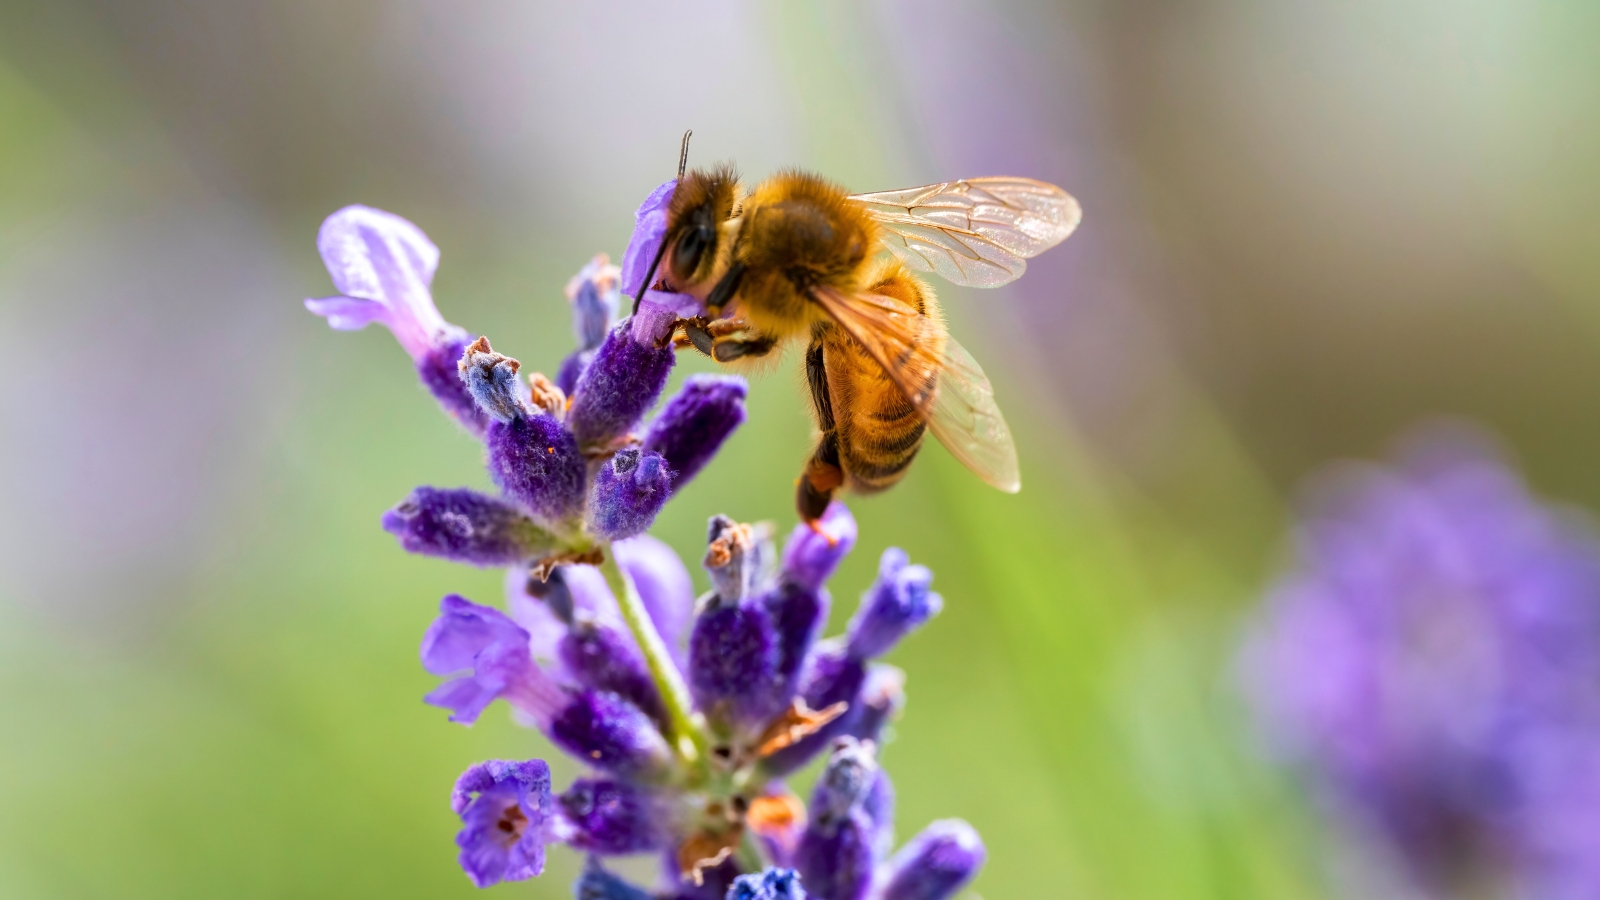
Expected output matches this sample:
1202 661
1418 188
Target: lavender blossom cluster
1433 660
688 712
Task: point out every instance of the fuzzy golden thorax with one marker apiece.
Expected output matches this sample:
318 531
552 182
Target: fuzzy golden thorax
702 203
798 231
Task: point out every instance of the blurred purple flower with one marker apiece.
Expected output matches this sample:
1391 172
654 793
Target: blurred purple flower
1433 658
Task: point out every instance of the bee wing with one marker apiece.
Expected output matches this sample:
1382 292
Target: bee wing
977 232
940 378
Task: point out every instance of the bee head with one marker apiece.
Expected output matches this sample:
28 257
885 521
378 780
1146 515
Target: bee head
702 202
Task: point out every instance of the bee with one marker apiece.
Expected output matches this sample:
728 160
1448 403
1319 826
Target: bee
798 257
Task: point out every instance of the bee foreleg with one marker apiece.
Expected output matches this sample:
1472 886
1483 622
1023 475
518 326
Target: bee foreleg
735 339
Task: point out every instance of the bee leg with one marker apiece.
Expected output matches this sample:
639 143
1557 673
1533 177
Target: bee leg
730 349
696 331
822 474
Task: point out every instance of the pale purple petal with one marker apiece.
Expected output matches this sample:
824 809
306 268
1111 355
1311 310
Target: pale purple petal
462 631
349 313
378 256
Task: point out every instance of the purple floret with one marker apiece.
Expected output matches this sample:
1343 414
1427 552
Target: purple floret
493 652
692 426
598 656
613 818
503 807
809 557
536 461
733 655
629 490
620 385
649 229
935 864
465 526
609 733
439 370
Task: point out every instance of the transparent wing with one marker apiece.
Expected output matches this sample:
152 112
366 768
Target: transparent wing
977 232
940 378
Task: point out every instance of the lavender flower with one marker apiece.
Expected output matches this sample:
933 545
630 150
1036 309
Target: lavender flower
1433 661
681 711
382 267
503 808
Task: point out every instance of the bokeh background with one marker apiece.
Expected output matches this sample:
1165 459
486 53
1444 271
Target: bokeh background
1307 226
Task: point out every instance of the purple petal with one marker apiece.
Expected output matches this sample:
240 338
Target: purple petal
349 313
375 255
649 229
462 631
501 837
658 312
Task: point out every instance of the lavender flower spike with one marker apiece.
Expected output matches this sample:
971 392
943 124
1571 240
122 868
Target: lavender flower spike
1439 634
691 428
465 526
503 807
772 884
935 864
629 490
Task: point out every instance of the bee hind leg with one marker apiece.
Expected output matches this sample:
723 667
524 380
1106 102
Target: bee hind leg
822 473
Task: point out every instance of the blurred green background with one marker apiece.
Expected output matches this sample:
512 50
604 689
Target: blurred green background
1307 225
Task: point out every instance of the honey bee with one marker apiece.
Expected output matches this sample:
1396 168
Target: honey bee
799 256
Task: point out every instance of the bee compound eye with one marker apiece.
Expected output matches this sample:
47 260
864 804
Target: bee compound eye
686 256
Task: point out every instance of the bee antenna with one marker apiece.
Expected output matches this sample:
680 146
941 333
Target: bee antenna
650 273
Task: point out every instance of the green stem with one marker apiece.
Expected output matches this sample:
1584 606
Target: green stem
688 739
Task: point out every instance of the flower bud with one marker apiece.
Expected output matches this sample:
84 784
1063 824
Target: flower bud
811 554
465 526
537 463
898 602
695 422
613 818
773 884
838 850
595 293
629 490
598 884
609 733
935 864
491 379
619 386
597 656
